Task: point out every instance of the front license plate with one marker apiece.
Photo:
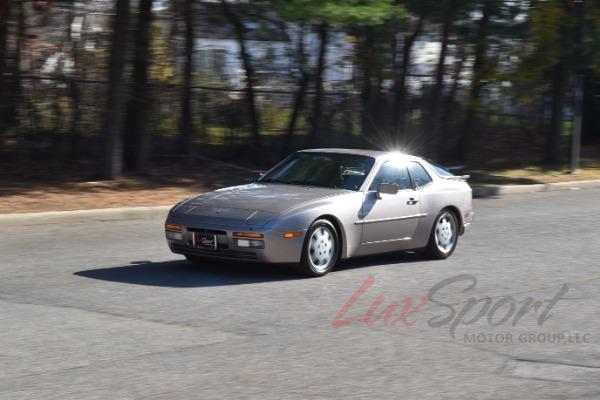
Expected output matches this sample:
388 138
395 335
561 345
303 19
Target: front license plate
205 241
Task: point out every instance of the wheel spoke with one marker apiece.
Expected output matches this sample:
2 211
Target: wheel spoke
321 248
445 235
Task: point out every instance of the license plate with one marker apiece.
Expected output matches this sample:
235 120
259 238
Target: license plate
205 241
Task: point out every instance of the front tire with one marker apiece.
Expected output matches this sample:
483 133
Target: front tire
320 250
443 237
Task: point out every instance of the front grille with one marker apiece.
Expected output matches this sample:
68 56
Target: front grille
221 236
241 255
211 231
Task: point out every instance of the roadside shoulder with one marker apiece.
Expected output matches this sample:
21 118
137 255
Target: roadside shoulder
503 190
99 214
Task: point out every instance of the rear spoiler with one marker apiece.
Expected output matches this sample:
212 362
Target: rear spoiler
457 169
457 177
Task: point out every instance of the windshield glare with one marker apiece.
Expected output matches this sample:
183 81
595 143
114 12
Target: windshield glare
333 170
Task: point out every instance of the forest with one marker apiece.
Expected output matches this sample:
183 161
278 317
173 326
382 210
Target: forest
120 86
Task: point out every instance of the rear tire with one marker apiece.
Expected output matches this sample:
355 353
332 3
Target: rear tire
443 237
320 250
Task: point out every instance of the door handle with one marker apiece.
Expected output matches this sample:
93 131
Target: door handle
412 202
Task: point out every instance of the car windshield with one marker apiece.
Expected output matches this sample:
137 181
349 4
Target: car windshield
333 170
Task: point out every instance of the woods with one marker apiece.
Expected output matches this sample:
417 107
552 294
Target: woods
119 83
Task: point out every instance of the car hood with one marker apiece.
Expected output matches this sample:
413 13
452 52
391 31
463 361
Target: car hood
253 204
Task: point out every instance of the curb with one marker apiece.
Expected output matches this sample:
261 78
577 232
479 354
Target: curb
99 214
503 190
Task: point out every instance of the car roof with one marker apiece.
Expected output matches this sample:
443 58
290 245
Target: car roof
370 153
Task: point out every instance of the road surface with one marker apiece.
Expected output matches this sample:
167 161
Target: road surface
102 310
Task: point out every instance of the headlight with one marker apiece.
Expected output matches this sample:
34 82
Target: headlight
174 231
174 235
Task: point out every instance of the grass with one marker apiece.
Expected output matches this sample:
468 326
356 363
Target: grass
59 187
590 169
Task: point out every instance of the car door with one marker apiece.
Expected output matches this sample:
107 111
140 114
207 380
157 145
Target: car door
390 217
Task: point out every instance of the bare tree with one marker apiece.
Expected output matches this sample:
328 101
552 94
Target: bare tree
112 163
449 104
552 145
186 98
240 32
321 66
481 45
300 96
434 132
5 8
137 138
399 103
15 93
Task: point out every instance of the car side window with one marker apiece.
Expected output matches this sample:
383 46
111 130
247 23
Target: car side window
392 173
419 174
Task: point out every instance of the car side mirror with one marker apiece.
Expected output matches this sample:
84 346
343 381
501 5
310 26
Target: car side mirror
387 188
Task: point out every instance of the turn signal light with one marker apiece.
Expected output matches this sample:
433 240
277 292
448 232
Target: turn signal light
249 235
292 234
173 227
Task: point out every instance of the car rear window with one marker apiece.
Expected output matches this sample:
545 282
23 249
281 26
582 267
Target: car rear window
419 175
441 171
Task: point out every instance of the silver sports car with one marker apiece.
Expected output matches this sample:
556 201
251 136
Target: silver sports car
317 207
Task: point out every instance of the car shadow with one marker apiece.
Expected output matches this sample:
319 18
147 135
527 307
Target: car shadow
183 274
400 257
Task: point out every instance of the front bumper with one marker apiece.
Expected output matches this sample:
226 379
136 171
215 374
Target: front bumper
277 249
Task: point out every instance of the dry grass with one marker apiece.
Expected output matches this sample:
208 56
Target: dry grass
62 187
57 188
590 169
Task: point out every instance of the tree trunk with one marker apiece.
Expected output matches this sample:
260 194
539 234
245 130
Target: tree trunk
399 111
137 139
299 99
591 110
5 7
552 146
74 92
465 142
186 95
16 86
434 140
447 110
13 90
297 108
240 32
112 163
366 95
321 66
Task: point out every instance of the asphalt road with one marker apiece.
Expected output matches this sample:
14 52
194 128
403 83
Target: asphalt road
102 310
